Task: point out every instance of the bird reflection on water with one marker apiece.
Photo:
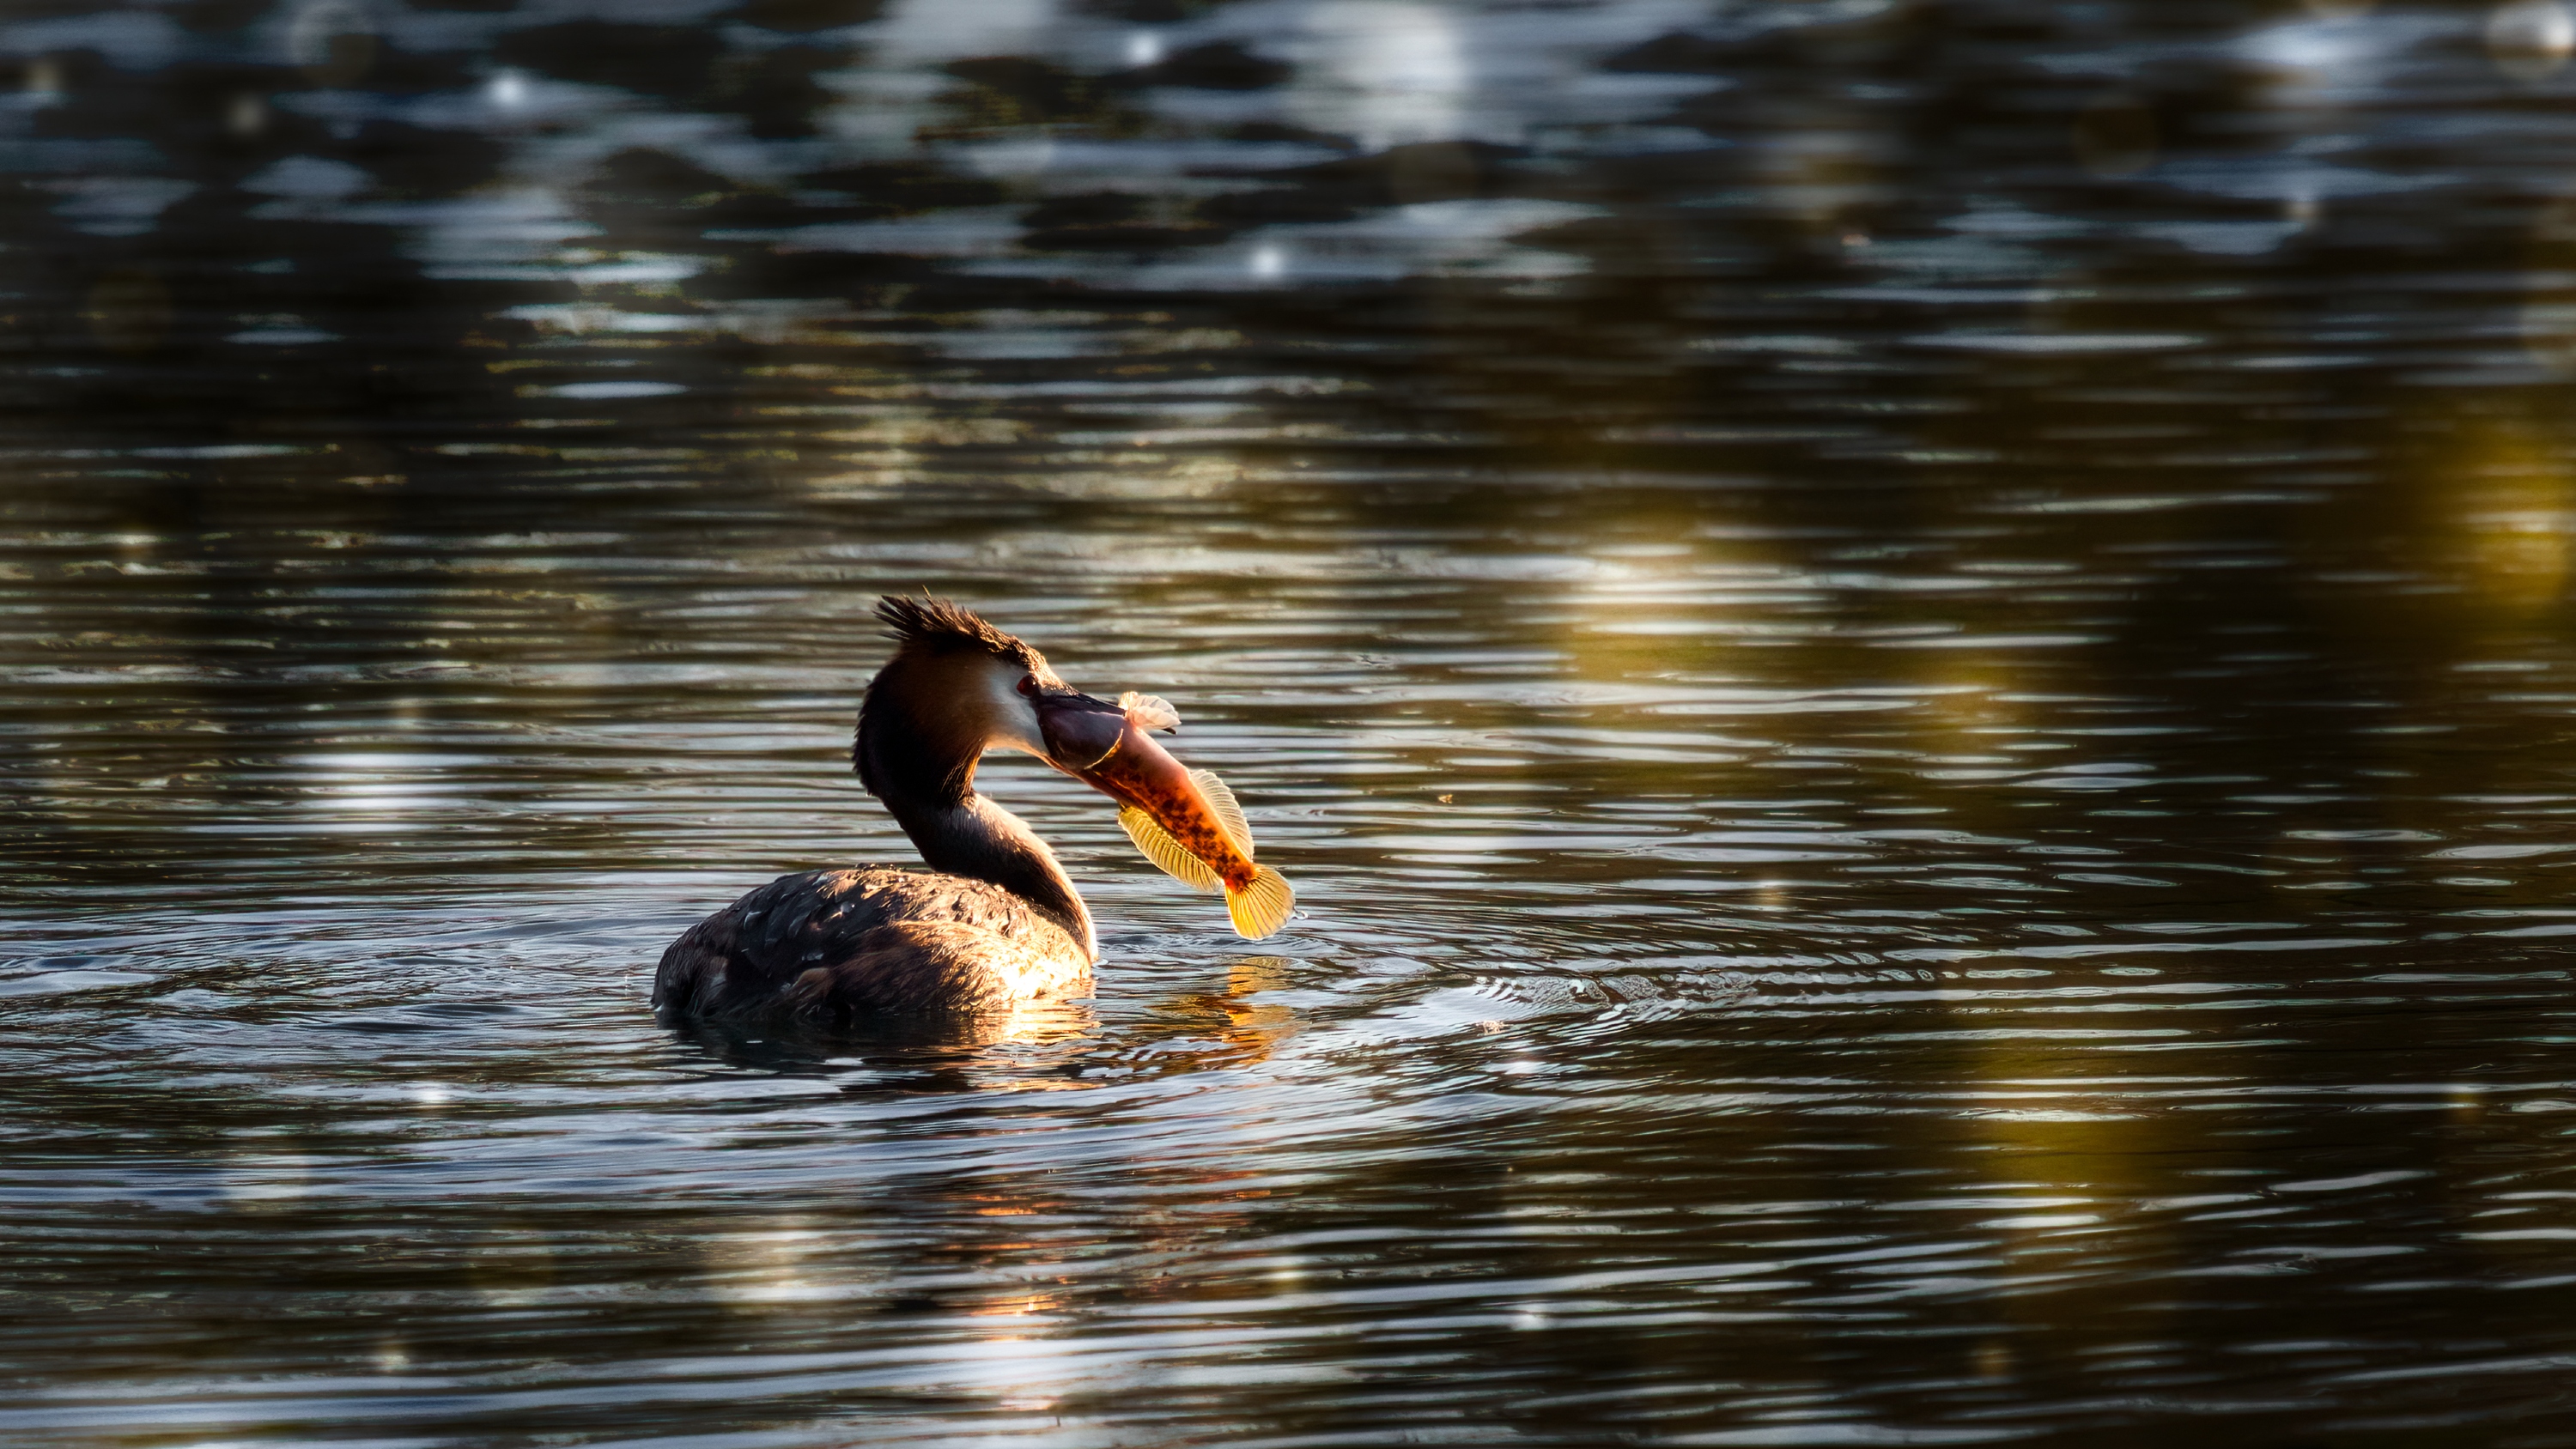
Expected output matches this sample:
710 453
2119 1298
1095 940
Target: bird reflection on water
1031 1046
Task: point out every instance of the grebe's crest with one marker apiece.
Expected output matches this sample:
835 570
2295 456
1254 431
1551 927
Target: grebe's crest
940 625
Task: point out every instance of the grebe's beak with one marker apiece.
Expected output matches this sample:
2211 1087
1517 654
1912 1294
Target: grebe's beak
1108 748
1079 731
1185 821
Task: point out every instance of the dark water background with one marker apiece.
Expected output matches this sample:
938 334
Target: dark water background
1915 659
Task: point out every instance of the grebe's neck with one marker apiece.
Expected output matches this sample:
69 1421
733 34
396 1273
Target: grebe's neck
978 838
926 777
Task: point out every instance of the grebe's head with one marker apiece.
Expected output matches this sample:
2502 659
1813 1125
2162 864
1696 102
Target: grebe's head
958 687
961 687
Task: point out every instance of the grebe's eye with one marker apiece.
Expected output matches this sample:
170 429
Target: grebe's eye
1029 685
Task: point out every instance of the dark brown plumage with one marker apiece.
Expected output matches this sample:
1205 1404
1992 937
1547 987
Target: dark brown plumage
995 922
870 941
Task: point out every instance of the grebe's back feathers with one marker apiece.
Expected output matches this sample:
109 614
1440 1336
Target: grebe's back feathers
842 943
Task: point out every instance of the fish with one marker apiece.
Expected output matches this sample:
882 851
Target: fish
1185 821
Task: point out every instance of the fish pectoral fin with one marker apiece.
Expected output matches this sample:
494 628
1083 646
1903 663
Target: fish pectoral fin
1167 854
1150 712
1261 908
1228 811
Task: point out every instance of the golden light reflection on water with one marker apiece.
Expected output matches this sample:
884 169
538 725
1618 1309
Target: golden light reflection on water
785 1260
1963 717
2071 1160
1199 1030
2508 496
1660 589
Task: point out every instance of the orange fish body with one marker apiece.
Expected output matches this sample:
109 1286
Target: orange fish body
1152 781
1185 821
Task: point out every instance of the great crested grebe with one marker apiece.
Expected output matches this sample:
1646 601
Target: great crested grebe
995 921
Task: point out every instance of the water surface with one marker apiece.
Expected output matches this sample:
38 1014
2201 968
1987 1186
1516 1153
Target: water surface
1914 661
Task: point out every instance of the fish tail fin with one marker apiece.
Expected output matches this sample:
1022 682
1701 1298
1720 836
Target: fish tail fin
1262 907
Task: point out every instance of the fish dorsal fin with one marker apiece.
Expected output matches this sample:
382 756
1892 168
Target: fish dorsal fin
1261 907
1150 711
1229 814
1166 853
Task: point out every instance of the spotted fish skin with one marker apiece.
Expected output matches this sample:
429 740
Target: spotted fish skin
1139 772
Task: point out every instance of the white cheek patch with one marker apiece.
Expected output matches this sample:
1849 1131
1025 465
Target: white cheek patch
1010 721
